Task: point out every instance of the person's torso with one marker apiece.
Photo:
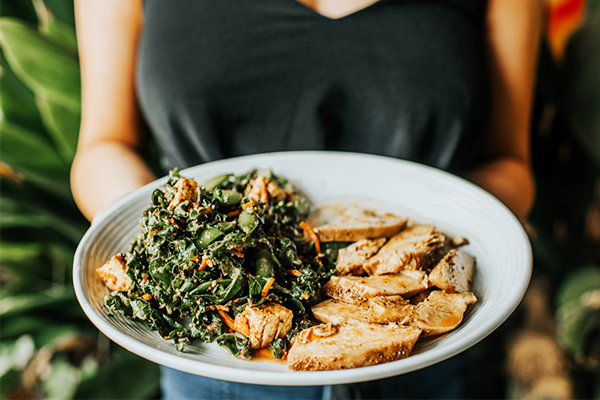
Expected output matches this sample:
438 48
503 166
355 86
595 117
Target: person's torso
400 78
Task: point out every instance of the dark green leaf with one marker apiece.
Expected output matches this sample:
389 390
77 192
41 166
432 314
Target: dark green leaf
17 101
126 376
577 283
41 64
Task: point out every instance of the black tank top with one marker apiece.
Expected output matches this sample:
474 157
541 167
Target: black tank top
406 79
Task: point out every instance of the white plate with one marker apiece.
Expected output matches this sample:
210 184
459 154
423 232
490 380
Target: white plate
496 238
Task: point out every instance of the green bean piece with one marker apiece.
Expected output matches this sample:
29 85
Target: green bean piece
227 227
247 221
231 197
215 182
208 236
263 264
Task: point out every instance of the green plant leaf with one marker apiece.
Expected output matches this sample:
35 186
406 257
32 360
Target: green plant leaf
126 376
575 324
577 283
32 155
61 380
54 29
18 8
21 303
19 214
21 206
63 10
63 125
17 102
9 382
16 354
40 63
578 314
15 251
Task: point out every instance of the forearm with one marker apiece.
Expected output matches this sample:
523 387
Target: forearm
510 180
104 172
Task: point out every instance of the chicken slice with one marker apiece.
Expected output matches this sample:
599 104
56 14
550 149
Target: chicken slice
357 290
327 347
263 324
337 312
454 272
439 313
419 297
257 189
186 190
413 248
386 309
275 192
114 275
351 259
366 226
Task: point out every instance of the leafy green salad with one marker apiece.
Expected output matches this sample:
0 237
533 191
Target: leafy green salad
208 251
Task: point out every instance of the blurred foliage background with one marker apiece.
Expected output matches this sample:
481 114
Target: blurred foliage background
48 349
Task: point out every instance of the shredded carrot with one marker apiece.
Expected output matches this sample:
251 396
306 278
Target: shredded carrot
215 307
196 258
226 318
248 204
151 233
293 272
207 210
234 213
315 238
205 263
147 297
268 285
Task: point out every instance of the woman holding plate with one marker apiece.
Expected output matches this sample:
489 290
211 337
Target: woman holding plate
446 83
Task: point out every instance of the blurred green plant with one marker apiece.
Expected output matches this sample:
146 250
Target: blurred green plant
48 348
567 213
578 315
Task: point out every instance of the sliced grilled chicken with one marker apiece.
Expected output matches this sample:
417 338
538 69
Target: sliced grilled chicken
357 290
366 226
337 312
113 274
327 347
351 259
458 241
413 248
454 272
419 297
439 313
257 189
187 190
386 309
263 324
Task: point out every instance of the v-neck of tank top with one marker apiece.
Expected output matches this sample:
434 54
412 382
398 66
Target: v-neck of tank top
319 15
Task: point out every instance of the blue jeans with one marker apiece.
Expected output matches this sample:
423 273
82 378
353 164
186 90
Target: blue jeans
441 381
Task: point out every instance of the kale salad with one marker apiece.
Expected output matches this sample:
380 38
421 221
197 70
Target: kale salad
208 251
